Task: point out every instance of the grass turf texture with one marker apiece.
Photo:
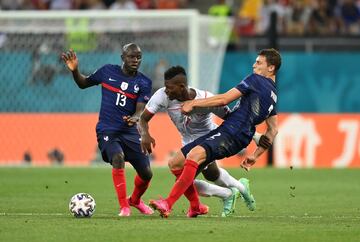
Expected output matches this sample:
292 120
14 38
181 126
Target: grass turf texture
292 205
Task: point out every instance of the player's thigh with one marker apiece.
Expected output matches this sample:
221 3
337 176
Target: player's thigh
141 164
136 157
110 147
190 146
221 145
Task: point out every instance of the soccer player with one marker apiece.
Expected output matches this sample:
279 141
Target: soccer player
257 103
191 127
125 92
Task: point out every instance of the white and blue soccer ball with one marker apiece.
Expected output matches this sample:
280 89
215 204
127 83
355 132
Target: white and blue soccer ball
82 205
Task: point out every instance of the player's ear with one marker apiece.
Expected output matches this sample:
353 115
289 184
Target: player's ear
271 68
182 85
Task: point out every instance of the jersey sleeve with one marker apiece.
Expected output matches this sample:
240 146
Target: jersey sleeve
157 102
273 112
245 85
145 91
96 76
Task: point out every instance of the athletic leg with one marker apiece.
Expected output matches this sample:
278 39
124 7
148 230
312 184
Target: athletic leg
141 164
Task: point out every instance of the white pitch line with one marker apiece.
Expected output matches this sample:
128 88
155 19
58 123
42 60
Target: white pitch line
32 214
207 216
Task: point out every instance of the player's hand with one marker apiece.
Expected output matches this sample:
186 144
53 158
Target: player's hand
147 143
248 162
70 59
264 142
187 107
131 120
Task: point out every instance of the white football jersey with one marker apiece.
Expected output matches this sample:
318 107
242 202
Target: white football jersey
191 126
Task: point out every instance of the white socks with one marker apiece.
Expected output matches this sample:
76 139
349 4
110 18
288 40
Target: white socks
226 180
206 189
222 187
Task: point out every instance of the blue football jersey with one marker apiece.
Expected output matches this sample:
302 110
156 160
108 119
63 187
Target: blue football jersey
120 93
257 103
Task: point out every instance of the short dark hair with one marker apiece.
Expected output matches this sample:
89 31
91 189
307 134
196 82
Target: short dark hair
173 71
272 56
129 46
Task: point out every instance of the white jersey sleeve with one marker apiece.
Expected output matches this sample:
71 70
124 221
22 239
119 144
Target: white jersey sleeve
158 101
220 111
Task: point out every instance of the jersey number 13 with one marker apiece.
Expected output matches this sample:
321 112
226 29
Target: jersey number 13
120 100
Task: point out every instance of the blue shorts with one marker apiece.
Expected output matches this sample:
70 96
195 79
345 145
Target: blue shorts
129 144
218 144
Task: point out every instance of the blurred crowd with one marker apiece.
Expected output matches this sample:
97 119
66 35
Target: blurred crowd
252 17
300 17
91 4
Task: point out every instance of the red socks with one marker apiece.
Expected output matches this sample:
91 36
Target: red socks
185 180
119 181
191 193
139 189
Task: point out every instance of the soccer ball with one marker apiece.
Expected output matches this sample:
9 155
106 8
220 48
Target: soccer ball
82 205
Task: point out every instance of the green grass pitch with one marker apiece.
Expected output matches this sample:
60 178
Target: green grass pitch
292 205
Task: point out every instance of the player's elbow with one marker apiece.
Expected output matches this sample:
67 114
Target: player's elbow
223 100
274 131
81 86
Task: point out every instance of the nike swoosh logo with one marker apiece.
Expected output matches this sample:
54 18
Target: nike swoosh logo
112 80
120 184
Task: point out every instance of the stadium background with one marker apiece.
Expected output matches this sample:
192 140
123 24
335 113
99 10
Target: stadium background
46 119
48 148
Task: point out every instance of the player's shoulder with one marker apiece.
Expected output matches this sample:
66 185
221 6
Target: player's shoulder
202 93
160 93
144 77
255 79
252 77
264 81
102 68
158 99
110 67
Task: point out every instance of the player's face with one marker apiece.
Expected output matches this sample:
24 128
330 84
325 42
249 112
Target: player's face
261 66
174 88
132 59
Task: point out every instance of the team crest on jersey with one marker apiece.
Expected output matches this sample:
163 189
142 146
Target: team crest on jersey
136 88
124 86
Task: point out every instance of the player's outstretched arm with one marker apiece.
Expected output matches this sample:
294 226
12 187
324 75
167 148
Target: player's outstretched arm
272 127
214 101
71 61
221 111
147 142
271 132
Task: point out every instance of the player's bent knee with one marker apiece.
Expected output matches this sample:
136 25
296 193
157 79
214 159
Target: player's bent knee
197 154
174 165
211 175
146 175
212 172
176 162
118 161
